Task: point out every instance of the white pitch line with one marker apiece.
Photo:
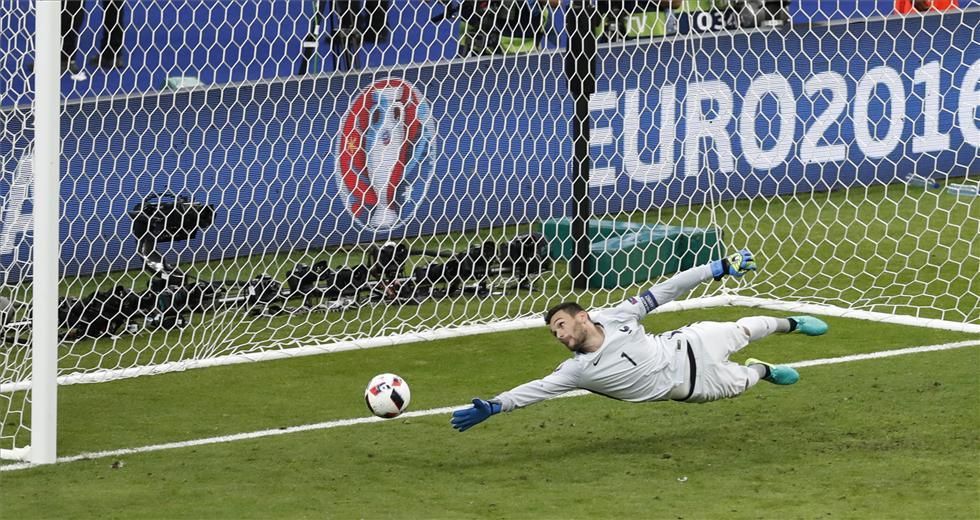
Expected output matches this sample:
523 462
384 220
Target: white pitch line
434 411
885 354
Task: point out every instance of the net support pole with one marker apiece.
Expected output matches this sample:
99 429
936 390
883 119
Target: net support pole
580 58
47 152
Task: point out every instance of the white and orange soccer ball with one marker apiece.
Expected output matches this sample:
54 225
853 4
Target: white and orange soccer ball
387 395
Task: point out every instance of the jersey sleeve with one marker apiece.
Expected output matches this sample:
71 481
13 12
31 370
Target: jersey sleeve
562 380
644 303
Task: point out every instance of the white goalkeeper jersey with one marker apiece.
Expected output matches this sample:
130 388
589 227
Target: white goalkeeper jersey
630 365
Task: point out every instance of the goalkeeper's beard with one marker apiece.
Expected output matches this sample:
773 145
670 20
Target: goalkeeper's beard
571 344
576 343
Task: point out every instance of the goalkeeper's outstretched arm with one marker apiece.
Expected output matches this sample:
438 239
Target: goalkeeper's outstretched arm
562 380
736 265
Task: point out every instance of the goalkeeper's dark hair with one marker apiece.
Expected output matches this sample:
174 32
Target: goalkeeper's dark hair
571 308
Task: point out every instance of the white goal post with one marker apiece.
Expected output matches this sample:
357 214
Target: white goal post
249 180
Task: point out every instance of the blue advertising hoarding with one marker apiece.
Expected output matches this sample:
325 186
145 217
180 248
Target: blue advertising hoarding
303 164
763 113
217 41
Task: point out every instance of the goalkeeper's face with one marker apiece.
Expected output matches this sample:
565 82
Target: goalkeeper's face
571 329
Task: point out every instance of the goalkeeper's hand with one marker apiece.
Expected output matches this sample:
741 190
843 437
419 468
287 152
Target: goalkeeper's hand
735 265
469 417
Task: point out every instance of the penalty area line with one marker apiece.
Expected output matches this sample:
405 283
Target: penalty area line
434 411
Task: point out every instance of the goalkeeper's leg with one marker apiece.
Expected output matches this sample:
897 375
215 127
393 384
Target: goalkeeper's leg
713 343
758 327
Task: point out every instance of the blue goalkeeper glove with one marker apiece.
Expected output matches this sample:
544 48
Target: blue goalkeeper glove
469 417
735 265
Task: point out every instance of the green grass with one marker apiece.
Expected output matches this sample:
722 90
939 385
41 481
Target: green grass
913 252
889 438
885 248
886 438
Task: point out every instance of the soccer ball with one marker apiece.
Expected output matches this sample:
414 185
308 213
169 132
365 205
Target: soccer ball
387 395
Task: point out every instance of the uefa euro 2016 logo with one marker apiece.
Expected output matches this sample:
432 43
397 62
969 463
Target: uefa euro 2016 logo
386 152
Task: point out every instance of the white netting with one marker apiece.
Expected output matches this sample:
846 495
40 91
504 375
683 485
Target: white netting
246 177
15 216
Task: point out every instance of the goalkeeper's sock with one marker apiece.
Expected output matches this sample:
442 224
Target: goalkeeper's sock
775 374
758 327
763 370
792 324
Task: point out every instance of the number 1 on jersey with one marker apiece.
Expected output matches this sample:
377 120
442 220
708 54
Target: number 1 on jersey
623 355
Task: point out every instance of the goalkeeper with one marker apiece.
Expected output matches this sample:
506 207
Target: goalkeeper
615 357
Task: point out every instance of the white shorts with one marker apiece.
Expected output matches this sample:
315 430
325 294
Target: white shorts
715 377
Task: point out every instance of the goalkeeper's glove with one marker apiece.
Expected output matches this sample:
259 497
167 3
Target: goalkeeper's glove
735 265
469 417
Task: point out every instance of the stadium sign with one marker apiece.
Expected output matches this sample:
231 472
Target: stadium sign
787 119
312 162
16 217
385 154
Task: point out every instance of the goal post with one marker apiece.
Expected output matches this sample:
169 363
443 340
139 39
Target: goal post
275 180
46 247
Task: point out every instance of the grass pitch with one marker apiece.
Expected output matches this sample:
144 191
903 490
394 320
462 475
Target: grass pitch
891 249
885 438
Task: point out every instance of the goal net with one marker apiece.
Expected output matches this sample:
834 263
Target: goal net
246 180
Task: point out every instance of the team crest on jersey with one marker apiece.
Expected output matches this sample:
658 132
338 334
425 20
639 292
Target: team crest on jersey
385 154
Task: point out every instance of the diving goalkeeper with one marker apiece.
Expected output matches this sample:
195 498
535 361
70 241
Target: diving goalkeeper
616 358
